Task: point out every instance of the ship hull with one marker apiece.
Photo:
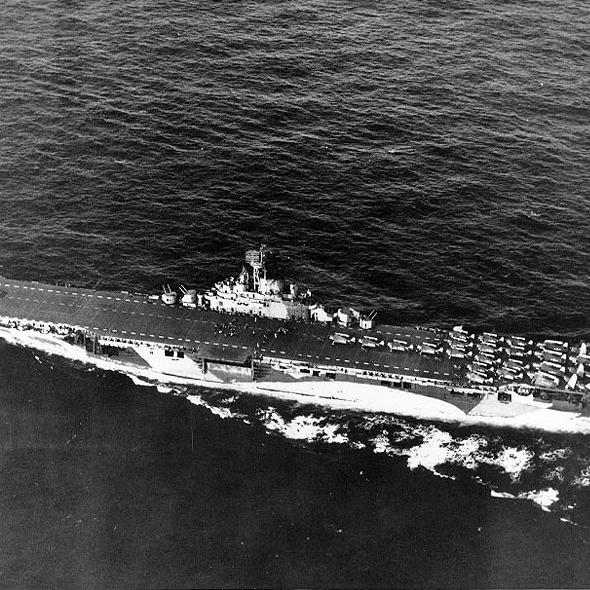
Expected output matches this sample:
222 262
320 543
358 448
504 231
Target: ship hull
341 394
163 343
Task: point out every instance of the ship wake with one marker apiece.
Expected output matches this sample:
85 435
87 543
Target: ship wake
550 470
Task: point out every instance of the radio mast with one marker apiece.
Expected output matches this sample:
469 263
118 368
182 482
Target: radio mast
255 258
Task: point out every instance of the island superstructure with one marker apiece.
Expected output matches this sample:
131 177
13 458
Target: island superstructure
260 330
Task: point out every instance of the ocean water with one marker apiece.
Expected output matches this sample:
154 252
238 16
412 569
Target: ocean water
429 160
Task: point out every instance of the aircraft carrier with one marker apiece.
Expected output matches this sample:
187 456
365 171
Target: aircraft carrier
256 329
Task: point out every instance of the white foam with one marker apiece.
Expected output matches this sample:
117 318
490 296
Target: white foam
307 428
544 498
222 412
438 448
432 452
381 444
514 461
505 495
470 452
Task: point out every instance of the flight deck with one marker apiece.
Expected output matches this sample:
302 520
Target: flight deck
121 316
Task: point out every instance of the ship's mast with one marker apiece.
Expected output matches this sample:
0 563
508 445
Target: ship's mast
255 258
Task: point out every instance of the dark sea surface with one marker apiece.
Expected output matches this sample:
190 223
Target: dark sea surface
429 160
